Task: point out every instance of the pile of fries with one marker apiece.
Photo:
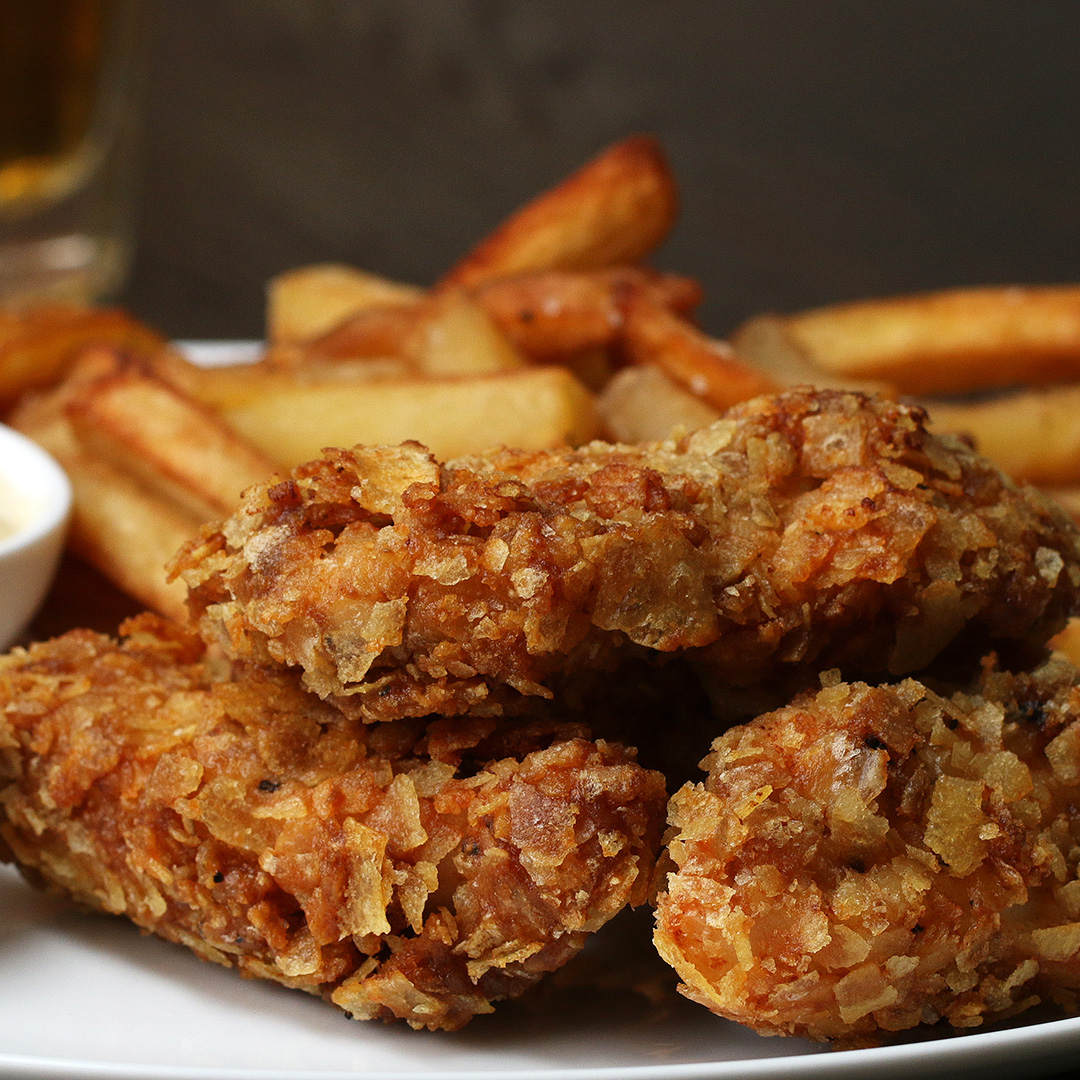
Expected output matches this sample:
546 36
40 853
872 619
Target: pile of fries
553 330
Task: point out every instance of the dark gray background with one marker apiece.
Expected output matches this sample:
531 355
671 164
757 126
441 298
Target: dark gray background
827 149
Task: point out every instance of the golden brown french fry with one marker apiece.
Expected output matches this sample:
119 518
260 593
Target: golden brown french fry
535 408
641 404
234 385
374 333
144 427
764 343
1032 435
948 342
455 336
39 344
128 532
305 303
554 315
613 211
708 368
551 316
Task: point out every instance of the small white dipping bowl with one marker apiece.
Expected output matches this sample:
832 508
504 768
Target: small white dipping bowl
35 499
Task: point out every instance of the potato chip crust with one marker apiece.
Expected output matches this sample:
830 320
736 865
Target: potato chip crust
812 529
414 870
873 858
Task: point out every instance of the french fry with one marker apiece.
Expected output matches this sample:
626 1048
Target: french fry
234 385
535 408
551 316
128 533
308 302
554 315
455 336
124 529
764 343
948 342
642 404
1032 435
614 211
143 426
377 333
708 368
38 344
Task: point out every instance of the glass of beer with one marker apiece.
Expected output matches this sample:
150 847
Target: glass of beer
70 84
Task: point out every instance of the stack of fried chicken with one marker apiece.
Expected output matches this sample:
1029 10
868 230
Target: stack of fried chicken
387 762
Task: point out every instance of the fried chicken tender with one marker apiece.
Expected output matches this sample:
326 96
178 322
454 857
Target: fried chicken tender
814 528
418 870
872 858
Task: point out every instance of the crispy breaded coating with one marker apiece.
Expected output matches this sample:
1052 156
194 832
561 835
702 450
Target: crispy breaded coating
816 528
418 870
872 858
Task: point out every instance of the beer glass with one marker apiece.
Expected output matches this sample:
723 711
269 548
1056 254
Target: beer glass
70 83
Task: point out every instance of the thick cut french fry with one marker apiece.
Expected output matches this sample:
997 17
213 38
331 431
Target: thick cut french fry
551 316
234 386
175 446
305 303
1032 435
534 408
38 344
554 315
614 211
455 336
641 404
764 343
948 342
128 532
708 368
124 529
377 333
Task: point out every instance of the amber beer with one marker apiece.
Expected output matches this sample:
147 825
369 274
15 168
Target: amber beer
67 86
50 71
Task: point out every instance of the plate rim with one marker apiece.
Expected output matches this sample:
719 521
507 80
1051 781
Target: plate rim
977 1050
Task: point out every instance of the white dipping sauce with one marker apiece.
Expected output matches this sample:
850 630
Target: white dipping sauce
16 511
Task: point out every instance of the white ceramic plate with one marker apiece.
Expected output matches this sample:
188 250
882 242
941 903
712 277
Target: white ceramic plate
86 997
